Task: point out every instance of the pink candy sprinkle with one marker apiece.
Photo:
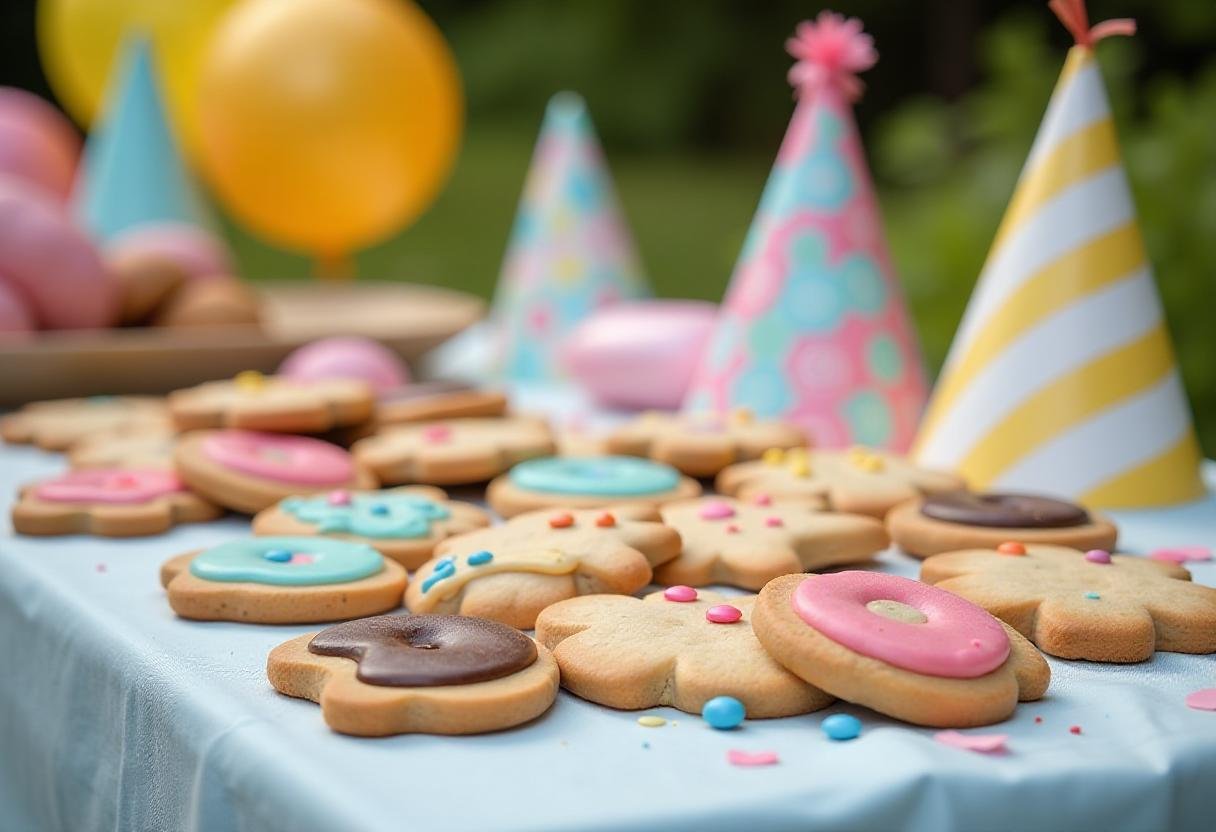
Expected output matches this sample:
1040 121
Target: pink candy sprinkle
301 559
773 522
984 743
763 500
101 567
732 529
1181 554
1074 729
716 510
436 434
1097 556
680 593
723 614
338 498
749 759
1202 700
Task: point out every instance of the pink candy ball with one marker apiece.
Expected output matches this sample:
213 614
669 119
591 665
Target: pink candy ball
199 252
347 357
37 143
723 614
640 354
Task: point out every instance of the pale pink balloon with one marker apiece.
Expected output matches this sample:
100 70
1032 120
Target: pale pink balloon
200 252
15 315
51 262
640 354
347 357
37 143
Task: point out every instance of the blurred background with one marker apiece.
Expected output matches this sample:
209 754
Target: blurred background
690 100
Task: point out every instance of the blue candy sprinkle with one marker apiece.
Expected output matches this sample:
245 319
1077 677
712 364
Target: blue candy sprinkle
841 727
379 509
445 562
723 712
434 579
1093 596
478 558
277 555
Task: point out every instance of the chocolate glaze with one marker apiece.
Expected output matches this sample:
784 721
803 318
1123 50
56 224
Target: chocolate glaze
427 650
996 510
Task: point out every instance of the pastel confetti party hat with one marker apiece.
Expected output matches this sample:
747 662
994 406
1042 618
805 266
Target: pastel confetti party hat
570 250
1061 377
132 173
814 329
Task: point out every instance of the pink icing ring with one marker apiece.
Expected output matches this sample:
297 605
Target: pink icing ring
109 485
958 640
298 460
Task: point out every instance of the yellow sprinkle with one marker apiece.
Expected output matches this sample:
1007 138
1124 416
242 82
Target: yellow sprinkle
250 380
799 467
742 416
773 456
651 721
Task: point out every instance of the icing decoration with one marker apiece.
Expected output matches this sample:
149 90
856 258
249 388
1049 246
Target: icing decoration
1014 511
956 639
605 521
1098 556
762 500
298 460
866 460
1181 554
1202 700
773 522
250 381
841 727
312 561
983 743
723 712
1093 596
680 593
436 434
1074 729
561 521
732 529
480 558
109 485
1038 720
747 759
773 456
723 614
374 515
448 575
606 476
651 721
427 650
716 510
1011 547
338 498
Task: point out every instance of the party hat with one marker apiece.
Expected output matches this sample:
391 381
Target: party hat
132 173
570 249
814 328
1061 377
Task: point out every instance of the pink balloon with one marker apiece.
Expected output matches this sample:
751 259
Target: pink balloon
640 354
347 357
50 262
200 252
37 142
15 315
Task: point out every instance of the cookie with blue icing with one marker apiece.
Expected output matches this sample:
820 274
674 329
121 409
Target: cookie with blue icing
587 482
283 580
405 524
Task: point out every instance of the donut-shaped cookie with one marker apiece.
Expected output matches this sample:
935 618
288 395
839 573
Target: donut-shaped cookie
587 482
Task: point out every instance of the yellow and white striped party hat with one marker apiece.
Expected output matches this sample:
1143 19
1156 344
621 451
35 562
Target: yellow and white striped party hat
1061 377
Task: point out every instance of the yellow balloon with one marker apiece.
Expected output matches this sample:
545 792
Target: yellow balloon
328 124
79 42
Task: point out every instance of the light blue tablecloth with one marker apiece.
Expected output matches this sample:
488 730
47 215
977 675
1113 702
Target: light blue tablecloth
116 715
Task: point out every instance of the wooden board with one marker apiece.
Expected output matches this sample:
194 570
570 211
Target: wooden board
408 318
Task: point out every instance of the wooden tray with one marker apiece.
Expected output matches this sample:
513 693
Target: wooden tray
409 318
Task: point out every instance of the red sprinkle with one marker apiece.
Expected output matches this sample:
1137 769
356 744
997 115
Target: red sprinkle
732 529
561 521
1038 720
605 520
773 522
1011 547
1074 729
723 614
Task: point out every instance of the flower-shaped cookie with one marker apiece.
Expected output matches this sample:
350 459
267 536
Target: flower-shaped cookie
509 573
629 653
428 674
702 444
56 425
859 480
454 451
1091 605
405 524
149 448
110 502
273 403
747 544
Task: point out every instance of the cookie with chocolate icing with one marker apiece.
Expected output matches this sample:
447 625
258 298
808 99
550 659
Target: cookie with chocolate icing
428 674
964 520
405 524
282 580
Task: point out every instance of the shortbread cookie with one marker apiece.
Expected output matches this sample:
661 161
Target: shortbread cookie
109 502
748 543
282 580
510 573
404 524
56 425
702 444
961 520
149 448
417 674
859 480
1091 605
903 648
252 401
628 653
248 471
452 452
587 482
428 401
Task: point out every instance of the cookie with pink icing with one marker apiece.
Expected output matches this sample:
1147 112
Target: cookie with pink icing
252 401
903 648
109 502
248 471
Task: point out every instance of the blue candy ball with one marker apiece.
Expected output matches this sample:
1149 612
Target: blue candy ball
277 555
723 712
841 727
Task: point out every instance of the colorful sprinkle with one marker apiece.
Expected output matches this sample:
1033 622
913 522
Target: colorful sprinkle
716 510
1093 596
443 570
723 712
379 509
101 567
605 520
762 500
1011 547
680 593
732 529
773 522
1181 554
800 467
436 434
249 380
651 721
479 558
1074 729
841 727
338 498
302 560
749 759
125 480
983 743
277 555
1202 700
1097 556
1038 720
723 614
773 456
561 521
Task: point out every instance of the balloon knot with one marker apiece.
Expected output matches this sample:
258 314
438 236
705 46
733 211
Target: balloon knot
1076 20
831 50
